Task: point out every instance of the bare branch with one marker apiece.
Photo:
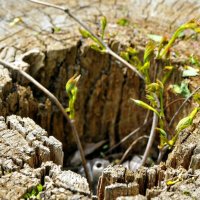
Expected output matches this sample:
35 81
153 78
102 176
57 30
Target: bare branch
123 140
107 49
151 139
131 147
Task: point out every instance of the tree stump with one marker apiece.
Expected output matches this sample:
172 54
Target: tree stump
29 157
48 45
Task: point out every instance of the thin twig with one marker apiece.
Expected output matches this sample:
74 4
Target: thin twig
187 99
151 139
146 123
107 49
176 100
162 153
131 147
61 108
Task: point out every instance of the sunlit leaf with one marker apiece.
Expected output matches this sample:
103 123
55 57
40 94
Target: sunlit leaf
149 51
190 71
85 33
182 89
97 48
156 38
125 55
72 90
103 23
187 121
145 71
192 24
171 182
39 188
131 51
16 21
144 105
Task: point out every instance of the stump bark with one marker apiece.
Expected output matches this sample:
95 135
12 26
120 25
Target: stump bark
48 45
28 157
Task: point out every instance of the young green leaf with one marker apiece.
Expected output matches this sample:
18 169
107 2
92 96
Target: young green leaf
187 121
123 22
163 137
145 71
144 105
167 73
72 90
182 89
39 188
149 51
131 51
196 98
153 87
97 48
85 33
192 24
125 55
103 23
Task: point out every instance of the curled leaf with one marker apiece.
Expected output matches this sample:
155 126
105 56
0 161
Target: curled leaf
187 121
103 23
72 90
131 51
149 51
145 105
85 33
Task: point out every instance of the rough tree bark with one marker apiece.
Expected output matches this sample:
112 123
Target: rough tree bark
103 109
182 166
29 157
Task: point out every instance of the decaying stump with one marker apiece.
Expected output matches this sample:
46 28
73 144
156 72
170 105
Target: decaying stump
53 46
29 157
181 168
48 45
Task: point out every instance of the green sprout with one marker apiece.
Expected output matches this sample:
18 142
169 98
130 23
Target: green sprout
192 24
35 193
97 45
72 90
183 124
123 22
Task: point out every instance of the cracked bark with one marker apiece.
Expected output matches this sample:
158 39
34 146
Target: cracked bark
61 54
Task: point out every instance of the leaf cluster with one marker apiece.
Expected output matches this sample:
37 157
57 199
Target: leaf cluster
35 193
